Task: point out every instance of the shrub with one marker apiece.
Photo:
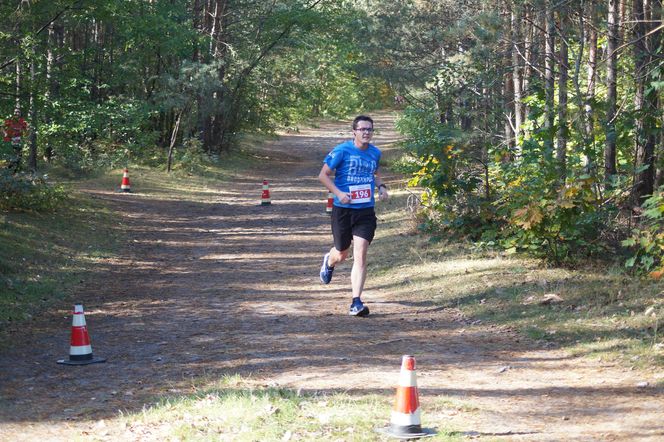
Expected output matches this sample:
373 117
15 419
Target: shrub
553 224
29 192
647 241
191 157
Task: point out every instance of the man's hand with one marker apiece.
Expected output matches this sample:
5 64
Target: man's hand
382 194
344 198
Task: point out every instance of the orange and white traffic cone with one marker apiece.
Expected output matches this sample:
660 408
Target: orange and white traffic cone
330 200
80 350
125 186
265 198
405 422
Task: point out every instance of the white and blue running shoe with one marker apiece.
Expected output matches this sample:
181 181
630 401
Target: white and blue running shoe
326 271
357 308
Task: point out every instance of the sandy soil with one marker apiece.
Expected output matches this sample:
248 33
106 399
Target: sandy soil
227 286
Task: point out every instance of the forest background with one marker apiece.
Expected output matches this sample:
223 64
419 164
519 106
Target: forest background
530 126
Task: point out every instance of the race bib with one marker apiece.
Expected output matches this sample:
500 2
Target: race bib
360 193
16 140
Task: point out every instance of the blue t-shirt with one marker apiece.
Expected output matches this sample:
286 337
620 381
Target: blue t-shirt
354 172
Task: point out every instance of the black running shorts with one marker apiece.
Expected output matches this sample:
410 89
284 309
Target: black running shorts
347 223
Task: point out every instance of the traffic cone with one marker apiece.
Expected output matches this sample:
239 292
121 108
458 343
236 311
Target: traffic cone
405 422
125 186
80 350
330 200
265 198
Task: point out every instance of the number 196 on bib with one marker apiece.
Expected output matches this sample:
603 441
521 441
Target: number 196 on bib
360 194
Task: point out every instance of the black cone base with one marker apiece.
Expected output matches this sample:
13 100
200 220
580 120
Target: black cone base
94 360
390 431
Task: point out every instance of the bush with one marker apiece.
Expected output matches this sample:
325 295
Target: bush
647 241
190 157
29 192
549 221
84 136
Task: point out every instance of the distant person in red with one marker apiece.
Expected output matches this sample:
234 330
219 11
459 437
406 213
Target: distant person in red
15 129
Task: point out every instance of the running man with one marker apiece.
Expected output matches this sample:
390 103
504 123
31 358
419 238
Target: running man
356 178
15 129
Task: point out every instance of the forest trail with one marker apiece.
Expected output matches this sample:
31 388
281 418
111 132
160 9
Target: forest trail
223 286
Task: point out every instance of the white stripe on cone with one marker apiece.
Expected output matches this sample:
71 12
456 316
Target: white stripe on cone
80 350
405 419
407 379
78 320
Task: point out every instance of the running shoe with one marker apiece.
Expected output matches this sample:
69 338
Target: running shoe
326 271
358 309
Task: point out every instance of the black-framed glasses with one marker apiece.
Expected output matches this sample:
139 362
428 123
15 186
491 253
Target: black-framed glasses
365 129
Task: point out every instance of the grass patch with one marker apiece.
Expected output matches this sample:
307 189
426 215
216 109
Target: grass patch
43 254
233 409
604 313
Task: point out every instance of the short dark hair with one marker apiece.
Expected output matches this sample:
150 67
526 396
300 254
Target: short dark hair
362 118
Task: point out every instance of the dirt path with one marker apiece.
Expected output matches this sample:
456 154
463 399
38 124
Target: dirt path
226 286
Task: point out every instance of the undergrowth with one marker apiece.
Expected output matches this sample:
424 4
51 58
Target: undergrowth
43 254
599 310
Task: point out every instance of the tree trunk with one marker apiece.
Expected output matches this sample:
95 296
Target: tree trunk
592 73
529 37
94 90
508 97
18 83
549 79
644 106
658 39
196 23
55 42
622 19
212 125
174 137
32 157
610 168
214 28
563 55
586 147
516 72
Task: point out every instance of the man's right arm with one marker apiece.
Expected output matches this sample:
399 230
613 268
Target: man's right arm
325 178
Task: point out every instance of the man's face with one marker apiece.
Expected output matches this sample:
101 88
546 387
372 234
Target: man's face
17 113
363 132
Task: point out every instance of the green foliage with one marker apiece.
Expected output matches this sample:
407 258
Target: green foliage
29 192
647 241
529 208
447 162
442 156
515 193
537 214
111 76
87 136
191 157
